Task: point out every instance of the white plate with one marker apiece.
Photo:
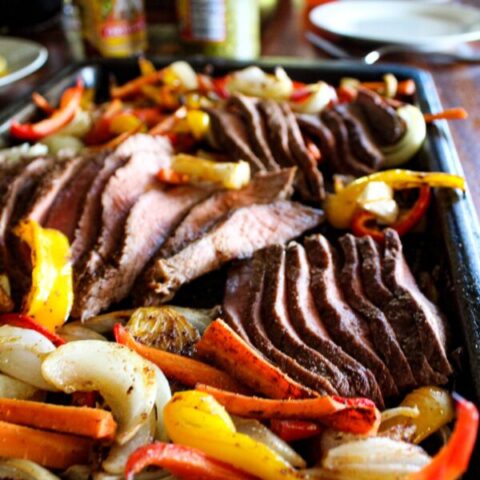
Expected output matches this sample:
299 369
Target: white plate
401 22
23 58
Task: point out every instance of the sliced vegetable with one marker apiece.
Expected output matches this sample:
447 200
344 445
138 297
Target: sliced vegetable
234 175
125 122
197 420
22 352
416 131
435 409
69 105
181 74
182 369
377 198
79 126
171 177
73 332
199 318
293 430
452 460
146 66
51 294
6 302
183 462
19 469
198 123
224 347
362 221
134 86
13 388
449 114
53 450
320 95
163 396
83 421
163 328
42 103
352 415
341 206
125 380
23 321
61 144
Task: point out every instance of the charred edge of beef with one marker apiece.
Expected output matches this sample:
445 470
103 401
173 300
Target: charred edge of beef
429 321
310 327
279 329
382 334
247 106
230 133
383 119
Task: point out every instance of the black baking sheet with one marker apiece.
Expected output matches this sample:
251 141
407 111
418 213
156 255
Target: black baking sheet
457 223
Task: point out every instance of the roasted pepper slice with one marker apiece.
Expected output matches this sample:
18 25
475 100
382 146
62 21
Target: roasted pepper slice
452 460
183 462
69 104
293 430
341 206
197 420
51 295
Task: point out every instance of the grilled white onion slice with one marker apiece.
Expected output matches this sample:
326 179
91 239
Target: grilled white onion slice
126 381
13 388
20 469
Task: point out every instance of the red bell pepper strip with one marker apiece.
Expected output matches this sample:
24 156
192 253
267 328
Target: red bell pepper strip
69 105
451 462
362 219
183 462
220 86
24 321
84 399
293 430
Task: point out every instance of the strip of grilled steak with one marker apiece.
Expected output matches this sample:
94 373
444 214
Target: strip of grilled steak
308 324
403 325
304 159
256 129
252 324
277 324
345 327
90 220
68 205
150 221
230 133
409 300
381 332
146 155
383 119
264 188
237 295
240 234
361 145
348 164
50 186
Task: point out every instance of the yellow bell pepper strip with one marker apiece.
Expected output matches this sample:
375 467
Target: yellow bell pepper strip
197 420
355 415
146 66
341 206
51 295
183 462
69 104
452 460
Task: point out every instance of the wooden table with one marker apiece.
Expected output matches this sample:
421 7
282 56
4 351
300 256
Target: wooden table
458 85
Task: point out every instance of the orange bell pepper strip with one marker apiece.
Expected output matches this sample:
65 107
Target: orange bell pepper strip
361 220
69 105
24 321
135 86
183 462
167 175
458 113
452 460
294 430
355 415
42 103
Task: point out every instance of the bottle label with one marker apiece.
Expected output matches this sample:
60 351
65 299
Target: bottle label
203 20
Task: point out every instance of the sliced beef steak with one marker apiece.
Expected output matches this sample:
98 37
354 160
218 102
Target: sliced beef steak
231 134
403 324
150 221
253 325
382 334
277 324
264 188
67 207
247 106
346 328
308 324
146 155
409 300
239 235
383 119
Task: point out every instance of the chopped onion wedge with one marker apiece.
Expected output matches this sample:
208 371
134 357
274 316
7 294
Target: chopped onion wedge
22 352
126 381
322 94
75 331
164 394
20 469
13 388
104 323
377 198
200 318
257 83
185 74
